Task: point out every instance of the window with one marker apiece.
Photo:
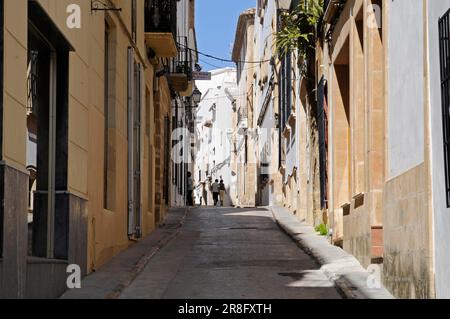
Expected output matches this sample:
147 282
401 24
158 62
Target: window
48 60
213 109
284 98
138 98
148 133
285 102
135 96
322 121
167 137
286 78
444 44
109 159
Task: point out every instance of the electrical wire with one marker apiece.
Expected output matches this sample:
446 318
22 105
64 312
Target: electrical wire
221 67
222 59
214 66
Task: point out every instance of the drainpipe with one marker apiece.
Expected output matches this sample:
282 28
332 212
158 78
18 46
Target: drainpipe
130 125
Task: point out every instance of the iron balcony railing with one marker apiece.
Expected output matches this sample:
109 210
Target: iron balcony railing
161 16
182 63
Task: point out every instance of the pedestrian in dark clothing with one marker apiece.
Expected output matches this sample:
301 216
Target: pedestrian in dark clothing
222 191
190 190
215 191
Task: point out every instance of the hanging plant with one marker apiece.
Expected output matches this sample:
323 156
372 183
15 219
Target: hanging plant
298 28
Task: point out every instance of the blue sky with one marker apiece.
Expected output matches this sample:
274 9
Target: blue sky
216 22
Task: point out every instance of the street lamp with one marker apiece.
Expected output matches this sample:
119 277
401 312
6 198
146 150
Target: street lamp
196 96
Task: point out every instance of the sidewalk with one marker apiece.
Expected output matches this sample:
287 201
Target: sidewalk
340 267
110 280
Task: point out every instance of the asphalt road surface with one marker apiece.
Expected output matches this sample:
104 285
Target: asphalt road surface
230 253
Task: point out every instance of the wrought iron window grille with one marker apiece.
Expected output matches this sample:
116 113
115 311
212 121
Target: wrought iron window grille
444 46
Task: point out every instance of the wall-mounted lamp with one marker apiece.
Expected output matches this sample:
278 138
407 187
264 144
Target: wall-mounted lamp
197 96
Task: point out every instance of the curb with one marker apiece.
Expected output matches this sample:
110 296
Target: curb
145 259
343 269
114 277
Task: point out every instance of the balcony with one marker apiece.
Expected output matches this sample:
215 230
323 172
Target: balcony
180 69
161 27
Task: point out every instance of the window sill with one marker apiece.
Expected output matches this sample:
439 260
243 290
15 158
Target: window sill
359 200
346 208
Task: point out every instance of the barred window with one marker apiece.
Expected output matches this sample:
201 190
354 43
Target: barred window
322 121
444 44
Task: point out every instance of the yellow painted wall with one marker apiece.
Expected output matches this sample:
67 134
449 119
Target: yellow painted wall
107 230
15 84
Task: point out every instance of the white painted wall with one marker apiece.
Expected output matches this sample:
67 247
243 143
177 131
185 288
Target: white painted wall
263 34
217 91
405 114
441 213
183 30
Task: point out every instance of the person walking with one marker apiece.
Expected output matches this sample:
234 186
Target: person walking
190 190
204 194
222 191
215 191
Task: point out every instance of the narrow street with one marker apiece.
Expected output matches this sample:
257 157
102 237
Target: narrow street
231 253
126 123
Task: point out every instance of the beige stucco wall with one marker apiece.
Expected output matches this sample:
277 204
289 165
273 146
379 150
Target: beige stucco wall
246 173
407 208
15 85
356 138
357 233
107 233
407 256
387 217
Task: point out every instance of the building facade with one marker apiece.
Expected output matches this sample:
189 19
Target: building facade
358 131
213 136
85 166
387 140
243 155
